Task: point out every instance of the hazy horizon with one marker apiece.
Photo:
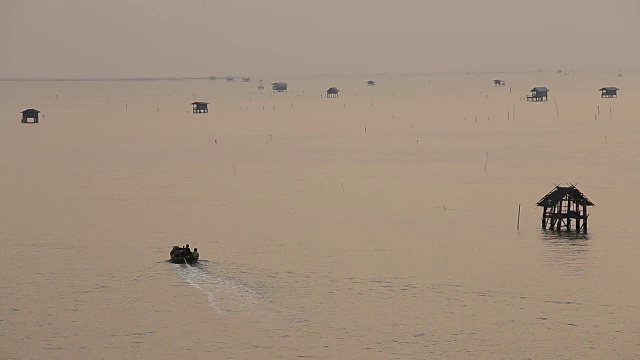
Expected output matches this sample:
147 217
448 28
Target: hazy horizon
141 39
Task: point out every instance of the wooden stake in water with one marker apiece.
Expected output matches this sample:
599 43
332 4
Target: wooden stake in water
557 112
518 217
610 115
342 184
486 159
598 109
234 169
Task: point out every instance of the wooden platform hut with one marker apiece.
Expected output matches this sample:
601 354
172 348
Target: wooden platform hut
246 79
609 92
332 92
200 107
499 83
279 86
260 87
30 114
231 79
371 83
562 205
538 93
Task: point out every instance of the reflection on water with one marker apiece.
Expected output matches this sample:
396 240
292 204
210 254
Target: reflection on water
566 251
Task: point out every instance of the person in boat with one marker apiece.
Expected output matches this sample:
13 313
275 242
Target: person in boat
195 254
187 251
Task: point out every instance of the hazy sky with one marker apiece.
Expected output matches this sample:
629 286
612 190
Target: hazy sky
146 38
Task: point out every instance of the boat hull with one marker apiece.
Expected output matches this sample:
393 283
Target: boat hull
188 260
180 255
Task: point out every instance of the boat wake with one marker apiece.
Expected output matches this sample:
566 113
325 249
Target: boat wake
226 294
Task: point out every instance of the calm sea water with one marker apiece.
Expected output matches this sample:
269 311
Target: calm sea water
351 228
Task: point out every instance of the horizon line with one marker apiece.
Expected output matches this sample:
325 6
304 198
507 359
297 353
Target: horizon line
178 78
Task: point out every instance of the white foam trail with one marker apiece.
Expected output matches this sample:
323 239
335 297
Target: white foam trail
224 294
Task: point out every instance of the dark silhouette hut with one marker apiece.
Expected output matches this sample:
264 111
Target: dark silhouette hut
200 107
371 83
279 86
260 87
231 79
246 79
609 92
538 93
499 83
332 92
30 114
563 204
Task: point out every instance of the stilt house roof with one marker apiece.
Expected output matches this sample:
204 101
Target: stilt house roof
539 89
560 192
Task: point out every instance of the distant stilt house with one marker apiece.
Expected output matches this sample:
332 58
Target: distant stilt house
246 79
200 107
213 78
499 83
30 114
371 83
609 92
260 87
619 73
562 205
538 93
332 92
231 79
279 86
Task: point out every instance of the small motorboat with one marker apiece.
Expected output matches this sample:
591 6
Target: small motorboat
179 255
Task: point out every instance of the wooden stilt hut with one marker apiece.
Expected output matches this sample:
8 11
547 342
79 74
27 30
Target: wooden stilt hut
562 205
609 92
200 107
279 86
332 92
30 114
538 93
